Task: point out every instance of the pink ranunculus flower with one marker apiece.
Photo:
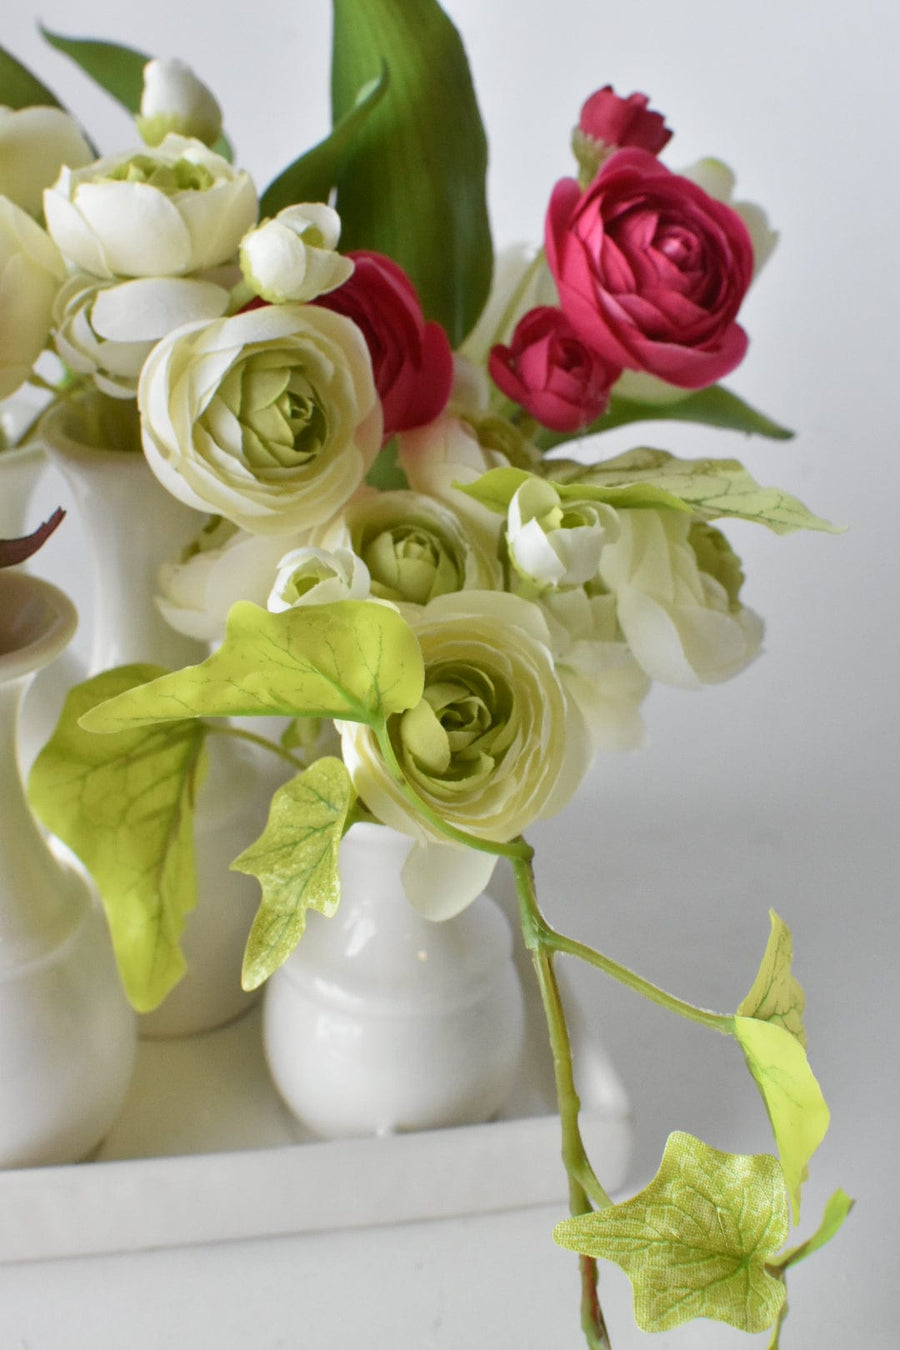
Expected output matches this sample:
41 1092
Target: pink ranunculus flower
619 122
651 271
550 371
411 359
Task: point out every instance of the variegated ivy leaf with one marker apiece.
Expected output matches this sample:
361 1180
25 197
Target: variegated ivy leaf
296 862
695 1242
355 660
776 996
124 805
793 1098
708 488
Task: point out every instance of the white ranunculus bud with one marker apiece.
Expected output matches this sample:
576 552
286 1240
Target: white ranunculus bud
554 542
292 257
683 624
107 329
269 417
168 211
173 99
31 273
317 576
34 145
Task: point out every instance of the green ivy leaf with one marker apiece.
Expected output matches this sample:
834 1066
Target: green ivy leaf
711 488
296 862
354 660
793 1098
413 183
124 805
496 489
837 1208
311 177
776 996
713 407
117 69
697 1240
19 88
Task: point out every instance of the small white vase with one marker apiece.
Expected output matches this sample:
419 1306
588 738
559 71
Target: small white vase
382 1020
131 525
67 1034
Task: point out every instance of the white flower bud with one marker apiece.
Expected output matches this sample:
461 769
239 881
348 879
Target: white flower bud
173 99
293 258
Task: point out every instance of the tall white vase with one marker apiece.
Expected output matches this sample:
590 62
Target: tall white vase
67 1035
382 1020
131 525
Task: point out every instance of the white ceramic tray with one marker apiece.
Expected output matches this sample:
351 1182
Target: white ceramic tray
205 1151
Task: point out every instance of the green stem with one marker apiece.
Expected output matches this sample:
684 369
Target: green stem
223 729
558 942
585 1191
515 850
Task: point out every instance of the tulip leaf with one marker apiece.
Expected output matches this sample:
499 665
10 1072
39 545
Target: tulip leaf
19 88
696 1242
119 70
413 184
311 177
776 996
793 1099
711 488
713 407
355 660
296 862
124 805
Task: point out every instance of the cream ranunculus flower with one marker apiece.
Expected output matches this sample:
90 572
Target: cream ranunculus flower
107 329
174 100
34 145
316 576
494 744
31 273
292 257
225 564
554 543
684 625
168 211
414 547
269 418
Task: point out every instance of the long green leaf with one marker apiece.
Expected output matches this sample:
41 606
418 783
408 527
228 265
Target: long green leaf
312 176
713 407
19 88
117 69
413 185
356 660
124 805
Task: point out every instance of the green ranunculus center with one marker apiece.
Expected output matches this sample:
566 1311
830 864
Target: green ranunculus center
180 176
411 562
273 410
456 736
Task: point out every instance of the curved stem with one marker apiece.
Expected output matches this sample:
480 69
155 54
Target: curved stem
715 1021
223 729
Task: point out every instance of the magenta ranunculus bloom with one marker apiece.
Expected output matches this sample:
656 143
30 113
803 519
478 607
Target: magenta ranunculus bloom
411 359
623 121
651 271
552 373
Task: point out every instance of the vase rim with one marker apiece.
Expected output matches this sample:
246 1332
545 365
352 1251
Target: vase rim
37 622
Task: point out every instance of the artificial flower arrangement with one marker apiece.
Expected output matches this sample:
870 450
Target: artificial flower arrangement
456 621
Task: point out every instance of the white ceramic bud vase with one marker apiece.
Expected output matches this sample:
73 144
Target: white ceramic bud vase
131 525
382 1020
67 1034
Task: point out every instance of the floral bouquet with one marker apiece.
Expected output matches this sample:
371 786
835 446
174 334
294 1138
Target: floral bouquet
367 414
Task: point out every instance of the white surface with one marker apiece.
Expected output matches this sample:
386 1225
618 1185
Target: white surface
779 789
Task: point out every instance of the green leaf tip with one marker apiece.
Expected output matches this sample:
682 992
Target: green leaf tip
118 70
697 1241
792 1097
296 862
124 805
776 996
836 1211
19 88
353 660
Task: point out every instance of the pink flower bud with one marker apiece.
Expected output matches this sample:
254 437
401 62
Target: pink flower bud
563 383
618 122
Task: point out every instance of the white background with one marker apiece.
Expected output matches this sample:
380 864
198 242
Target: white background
779 789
